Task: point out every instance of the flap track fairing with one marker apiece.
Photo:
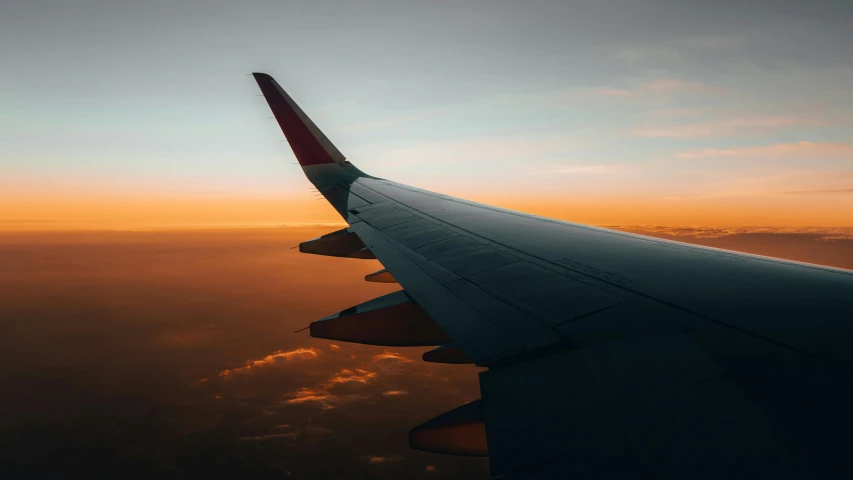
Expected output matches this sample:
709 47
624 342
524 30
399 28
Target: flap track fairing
392 320
340 243
382 276
447 353
460 431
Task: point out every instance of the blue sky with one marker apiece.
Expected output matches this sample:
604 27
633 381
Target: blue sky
607 99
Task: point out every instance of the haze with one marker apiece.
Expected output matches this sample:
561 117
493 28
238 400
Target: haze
121 114
148 203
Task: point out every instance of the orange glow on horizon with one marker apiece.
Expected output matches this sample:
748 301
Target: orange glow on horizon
141 213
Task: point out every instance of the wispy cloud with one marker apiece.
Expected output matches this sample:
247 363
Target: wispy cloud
291 436
327 394
360 375
381 124
309 430
394 393
671 85
480 149
378 459
663 86
685 47
391 356
583 170
798 149
820 233
274 359
819 191
722 127
311 395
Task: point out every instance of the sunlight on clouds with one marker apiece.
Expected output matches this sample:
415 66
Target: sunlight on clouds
324 394
820 233
309 395
391 356
378 459
273 436
348 376
392 393
274 359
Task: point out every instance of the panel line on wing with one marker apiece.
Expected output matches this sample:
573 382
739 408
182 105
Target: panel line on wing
626 290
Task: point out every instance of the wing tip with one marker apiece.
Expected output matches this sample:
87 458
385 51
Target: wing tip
263 77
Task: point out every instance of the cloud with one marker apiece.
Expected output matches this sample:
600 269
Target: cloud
832 238
276 358
798 149
273 436
671 85
723 127
348 376
308 431
820 233
317 430
326 394
479 149
310 395
664 86
394 393
377 459
819 192
332 346
582 170
391 356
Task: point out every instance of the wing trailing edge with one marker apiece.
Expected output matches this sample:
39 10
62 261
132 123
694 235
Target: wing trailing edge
392 320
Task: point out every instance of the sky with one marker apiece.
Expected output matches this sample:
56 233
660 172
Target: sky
160 341
142 114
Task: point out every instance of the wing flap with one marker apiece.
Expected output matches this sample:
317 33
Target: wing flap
476 336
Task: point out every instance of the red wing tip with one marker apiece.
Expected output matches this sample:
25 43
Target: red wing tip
259 76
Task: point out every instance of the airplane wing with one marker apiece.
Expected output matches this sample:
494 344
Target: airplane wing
608 354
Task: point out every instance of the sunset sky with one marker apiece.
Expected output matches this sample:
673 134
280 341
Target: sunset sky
149 291
119 114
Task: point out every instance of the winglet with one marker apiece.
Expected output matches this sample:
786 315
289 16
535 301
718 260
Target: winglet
309 144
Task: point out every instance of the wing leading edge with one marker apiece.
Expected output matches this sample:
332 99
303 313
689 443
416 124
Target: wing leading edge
608 354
